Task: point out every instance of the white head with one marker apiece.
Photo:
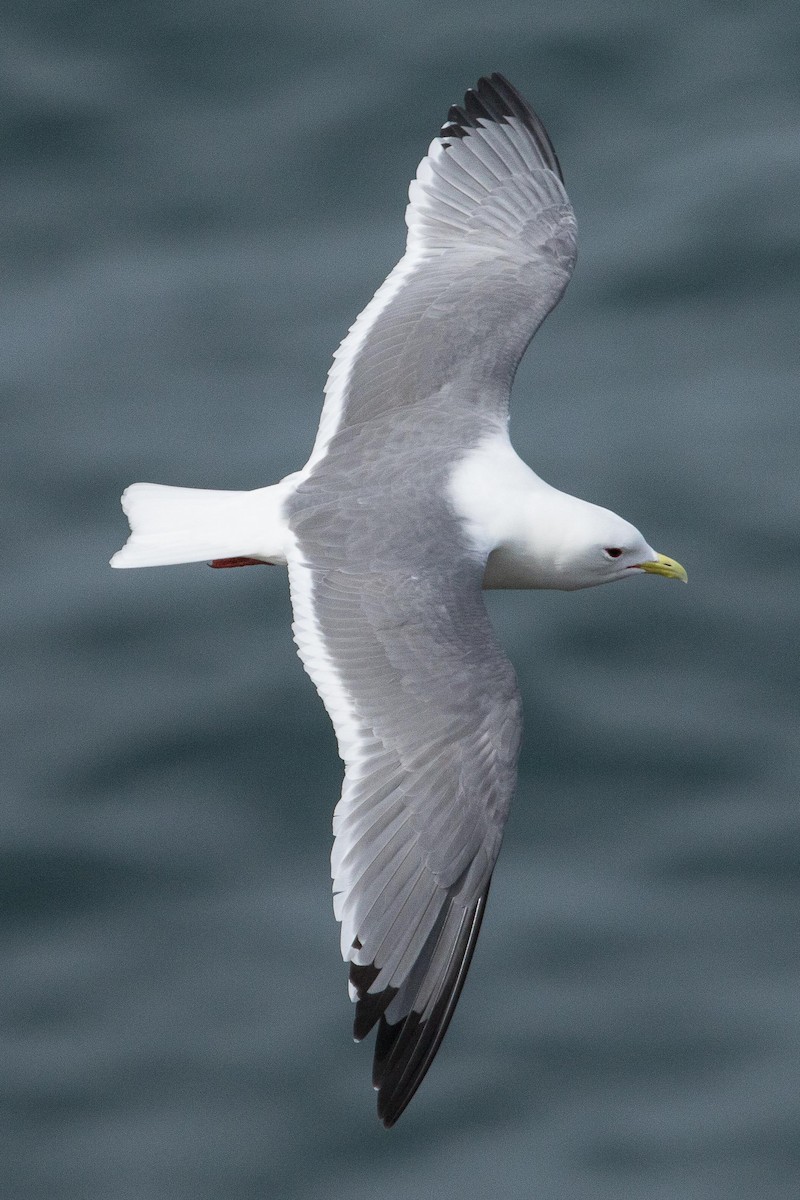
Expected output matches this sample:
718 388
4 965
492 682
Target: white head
538 537
593 546
567 543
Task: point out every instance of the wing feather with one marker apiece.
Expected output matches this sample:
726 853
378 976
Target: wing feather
405 1048
386 589
491 247
427 788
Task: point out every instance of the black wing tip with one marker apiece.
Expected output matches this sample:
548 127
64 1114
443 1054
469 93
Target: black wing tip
405 1051
370 1006
494 98
397 1085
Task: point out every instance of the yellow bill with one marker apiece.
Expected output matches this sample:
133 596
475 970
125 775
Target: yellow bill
665 566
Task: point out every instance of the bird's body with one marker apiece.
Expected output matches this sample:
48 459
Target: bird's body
412 501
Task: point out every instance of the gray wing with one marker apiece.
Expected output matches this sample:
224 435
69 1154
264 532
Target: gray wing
389 616
490 250
427 715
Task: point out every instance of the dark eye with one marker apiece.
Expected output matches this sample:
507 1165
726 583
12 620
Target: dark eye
613 551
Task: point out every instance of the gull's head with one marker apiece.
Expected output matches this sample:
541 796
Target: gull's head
536 536
596 546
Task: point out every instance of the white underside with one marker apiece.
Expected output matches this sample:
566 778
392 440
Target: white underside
531 534
494 492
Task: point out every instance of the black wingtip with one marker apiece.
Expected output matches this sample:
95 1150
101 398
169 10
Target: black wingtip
494 98
404 1051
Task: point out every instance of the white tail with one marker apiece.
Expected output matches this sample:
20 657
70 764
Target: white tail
183 525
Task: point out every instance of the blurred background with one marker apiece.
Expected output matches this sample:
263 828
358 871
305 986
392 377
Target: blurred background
198 199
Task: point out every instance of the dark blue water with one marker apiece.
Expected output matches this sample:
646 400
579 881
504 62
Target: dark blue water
198 199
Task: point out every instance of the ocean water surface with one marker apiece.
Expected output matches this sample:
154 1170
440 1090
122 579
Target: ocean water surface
198 201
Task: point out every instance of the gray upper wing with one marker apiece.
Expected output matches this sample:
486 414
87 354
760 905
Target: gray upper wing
491 247
391 625
386 590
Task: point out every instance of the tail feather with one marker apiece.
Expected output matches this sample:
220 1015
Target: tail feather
182 525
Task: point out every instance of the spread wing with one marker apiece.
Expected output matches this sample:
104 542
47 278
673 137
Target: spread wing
427 715
386 588
491 247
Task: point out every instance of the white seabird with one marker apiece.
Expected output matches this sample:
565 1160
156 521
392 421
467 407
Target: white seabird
413 499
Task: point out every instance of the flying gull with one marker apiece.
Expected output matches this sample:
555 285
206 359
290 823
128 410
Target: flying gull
412 501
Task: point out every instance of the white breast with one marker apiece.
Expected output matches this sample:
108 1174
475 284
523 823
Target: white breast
522 525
